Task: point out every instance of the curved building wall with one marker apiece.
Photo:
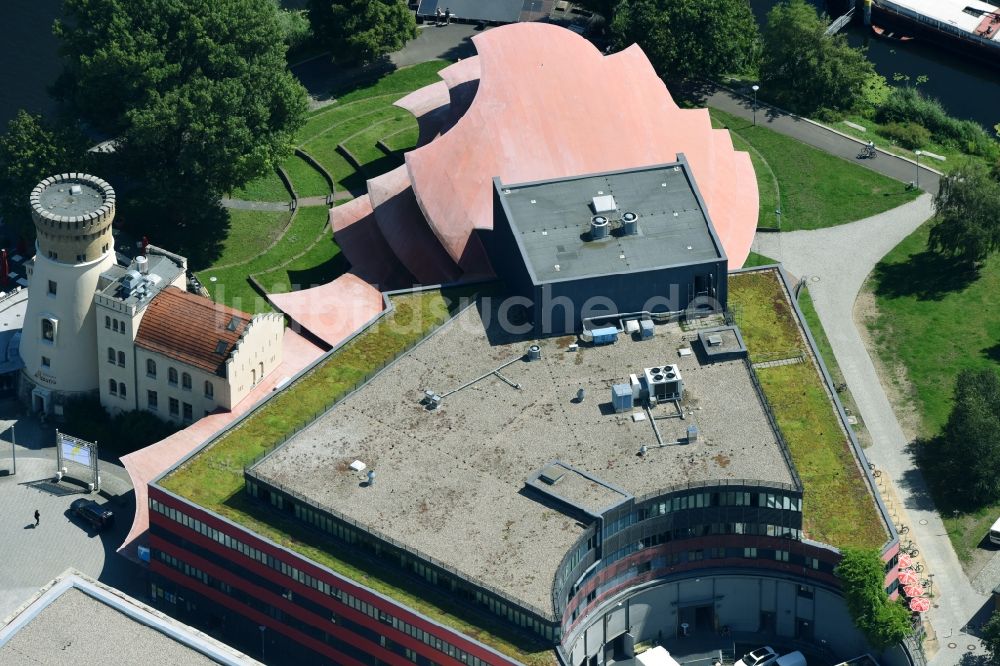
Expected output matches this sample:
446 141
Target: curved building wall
746 601
71 350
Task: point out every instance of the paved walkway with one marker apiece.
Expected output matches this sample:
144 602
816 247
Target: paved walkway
841 258
816 135
32 556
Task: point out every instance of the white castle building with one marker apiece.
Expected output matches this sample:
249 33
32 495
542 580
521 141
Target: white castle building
131 334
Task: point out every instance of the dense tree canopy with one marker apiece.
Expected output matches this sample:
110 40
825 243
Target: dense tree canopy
359 31
804 70
991 637
967 227
196 93
689 38
967 454
31 150
862 575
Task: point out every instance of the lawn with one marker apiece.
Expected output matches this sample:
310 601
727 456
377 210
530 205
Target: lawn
837 507
250 233
231 285
214 478
266 188
754 260
933 322
308 182
816 189
320 264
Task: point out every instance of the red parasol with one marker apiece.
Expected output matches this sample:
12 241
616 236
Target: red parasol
907 577
145 243
4 267
920 604
905 561
913 590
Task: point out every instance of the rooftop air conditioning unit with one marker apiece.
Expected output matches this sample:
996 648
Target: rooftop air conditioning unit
664 383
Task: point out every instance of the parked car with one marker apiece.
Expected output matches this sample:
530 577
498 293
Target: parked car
767 656
92 512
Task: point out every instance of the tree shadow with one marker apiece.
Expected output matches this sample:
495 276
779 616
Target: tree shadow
992 353
194 226
927 275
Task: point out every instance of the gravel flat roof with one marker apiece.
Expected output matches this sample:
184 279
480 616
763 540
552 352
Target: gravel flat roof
450 483
77 628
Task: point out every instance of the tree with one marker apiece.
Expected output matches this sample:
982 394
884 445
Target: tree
967 227
360 31
804 70
685 39
196 94
31 150
991 637
294 25
862 577
972 433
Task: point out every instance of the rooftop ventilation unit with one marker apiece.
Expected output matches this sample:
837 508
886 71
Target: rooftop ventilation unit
630 224
131 282
604 204
599 227
534 353
142 264
664 383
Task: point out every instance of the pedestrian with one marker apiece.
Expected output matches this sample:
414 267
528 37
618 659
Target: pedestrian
37 517
437 15
447 15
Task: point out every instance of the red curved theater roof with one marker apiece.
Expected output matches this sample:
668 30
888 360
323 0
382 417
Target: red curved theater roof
550 105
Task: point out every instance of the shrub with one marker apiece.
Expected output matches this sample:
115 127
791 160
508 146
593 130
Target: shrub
908 135
909 105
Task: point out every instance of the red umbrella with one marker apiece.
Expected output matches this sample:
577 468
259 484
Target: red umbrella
905 561
913 590
4 267
145 244
907 577
920 604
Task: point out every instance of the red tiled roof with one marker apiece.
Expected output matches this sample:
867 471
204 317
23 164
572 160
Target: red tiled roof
191 329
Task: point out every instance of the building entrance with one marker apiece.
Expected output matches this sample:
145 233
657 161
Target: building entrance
694 619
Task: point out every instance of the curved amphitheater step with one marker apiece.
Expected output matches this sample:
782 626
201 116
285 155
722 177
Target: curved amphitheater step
361 241
333 311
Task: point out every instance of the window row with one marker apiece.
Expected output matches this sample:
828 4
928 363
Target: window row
316 584
116 325
172 375
117 388
114 356
173 404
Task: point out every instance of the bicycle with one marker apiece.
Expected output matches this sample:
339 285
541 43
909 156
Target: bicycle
867 152
903 529
875 472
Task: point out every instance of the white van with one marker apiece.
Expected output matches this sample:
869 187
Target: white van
995 533
767 656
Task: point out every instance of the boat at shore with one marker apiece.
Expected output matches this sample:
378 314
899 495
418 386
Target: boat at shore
969 26
890 34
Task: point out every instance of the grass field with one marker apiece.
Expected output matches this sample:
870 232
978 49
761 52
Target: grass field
815 189
250 233
933 322
231 286
266 188
837 507
320 264
214 478
308 181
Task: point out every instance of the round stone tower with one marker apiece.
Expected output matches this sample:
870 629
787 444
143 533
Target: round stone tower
72 213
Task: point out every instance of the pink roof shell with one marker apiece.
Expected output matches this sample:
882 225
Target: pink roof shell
550 105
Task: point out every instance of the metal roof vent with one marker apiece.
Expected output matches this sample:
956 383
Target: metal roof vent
630 224
599 227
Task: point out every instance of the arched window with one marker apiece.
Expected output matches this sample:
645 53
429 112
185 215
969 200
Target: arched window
113 386
111 355
172 376
262 370
107 322
48 330
121 358
151 367
121 390
116 325
209 390
186 381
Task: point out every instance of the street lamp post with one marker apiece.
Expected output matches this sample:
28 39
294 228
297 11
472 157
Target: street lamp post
918 153
755 88
262 630
13 452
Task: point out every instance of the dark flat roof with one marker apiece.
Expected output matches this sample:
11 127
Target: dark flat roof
494 11
551 220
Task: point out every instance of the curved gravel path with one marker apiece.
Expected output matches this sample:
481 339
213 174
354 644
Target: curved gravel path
842 257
